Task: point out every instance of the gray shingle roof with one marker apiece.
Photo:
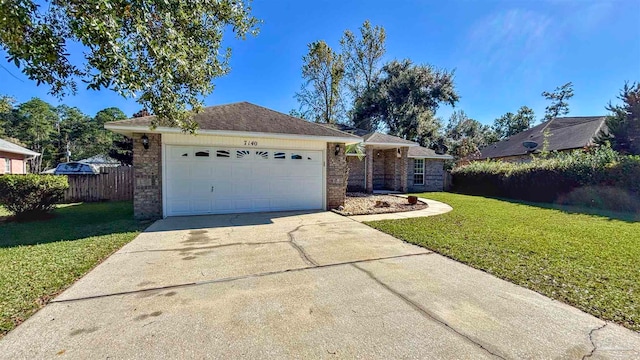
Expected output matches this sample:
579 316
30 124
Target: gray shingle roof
565 133
244 116
379 138
10 147
423 152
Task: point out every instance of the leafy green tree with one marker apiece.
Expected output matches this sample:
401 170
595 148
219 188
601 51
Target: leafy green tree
362 56
510 124
559 101
164 53
465 136
405 99
320 97
103 140
623 125
6 106
34 124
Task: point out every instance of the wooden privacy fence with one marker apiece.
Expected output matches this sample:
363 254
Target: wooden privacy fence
112 184
448 181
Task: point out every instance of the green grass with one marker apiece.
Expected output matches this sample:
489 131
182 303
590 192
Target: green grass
589 261
40 259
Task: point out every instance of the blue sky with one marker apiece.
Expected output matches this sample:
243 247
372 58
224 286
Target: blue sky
505 53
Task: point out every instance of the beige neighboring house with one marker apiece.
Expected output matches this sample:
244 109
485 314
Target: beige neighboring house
391 163
13 158
564 134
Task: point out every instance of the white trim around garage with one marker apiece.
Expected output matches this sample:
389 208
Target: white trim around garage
129 130
313 147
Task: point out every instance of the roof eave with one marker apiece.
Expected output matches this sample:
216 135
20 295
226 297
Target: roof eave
28 153
390 144
129 130
444 157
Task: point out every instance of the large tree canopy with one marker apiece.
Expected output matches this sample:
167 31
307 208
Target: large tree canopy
164 53
510 124
320 97
405 99
465 136
362 55
623 125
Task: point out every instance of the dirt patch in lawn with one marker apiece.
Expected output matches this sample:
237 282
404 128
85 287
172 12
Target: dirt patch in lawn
365 204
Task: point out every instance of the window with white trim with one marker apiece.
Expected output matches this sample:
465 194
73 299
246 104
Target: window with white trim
7 166
418 171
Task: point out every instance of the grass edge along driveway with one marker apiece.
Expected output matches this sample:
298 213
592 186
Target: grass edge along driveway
40 259
588 261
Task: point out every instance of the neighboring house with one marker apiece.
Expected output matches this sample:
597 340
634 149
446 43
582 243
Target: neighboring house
564 134
101 161
13 158
391 163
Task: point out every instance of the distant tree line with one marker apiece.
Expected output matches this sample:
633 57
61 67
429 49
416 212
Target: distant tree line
61 133
353 86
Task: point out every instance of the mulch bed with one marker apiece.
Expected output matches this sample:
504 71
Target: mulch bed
365 204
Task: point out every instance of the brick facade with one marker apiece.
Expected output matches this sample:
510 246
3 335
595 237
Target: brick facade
357 170
433 176
337 175
147 170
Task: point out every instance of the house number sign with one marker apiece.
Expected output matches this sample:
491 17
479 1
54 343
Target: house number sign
250 143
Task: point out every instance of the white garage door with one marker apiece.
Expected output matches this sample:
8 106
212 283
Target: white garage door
217 180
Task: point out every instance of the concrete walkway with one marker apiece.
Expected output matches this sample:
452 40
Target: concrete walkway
435 208
301 285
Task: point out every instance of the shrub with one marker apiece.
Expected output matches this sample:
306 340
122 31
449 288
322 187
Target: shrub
31 195
546 179
602 197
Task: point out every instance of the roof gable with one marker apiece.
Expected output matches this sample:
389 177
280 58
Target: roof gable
244 117
10 147
379 138
564 134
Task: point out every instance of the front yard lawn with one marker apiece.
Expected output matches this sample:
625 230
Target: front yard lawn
591 262
40 259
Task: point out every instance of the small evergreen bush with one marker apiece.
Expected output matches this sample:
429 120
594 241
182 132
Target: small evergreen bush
31 195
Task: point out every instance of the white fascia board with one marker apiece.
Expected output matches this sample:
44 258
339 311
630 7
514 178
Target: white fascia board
28 153
444 157
391 144
129 130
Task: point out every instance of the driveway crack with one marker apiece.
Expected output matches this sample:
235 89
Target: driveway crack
593 344
292 240
424 312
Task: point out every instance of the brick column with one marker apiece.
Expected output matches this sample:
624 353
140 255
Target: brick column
368 150
404 169
147 177
337 175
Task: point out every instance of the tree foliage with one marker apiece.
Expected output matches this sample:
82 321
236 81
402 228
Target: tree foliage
362 56
51 131
405 98
164 53
559 101
465 136
623 125
510 124
320 97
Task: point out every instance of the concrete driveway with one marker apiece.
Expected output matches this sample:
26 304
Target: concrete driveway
301 285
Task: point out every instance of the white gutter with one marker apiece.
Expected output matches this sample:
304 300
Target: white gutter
448 157
391 144
128 130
